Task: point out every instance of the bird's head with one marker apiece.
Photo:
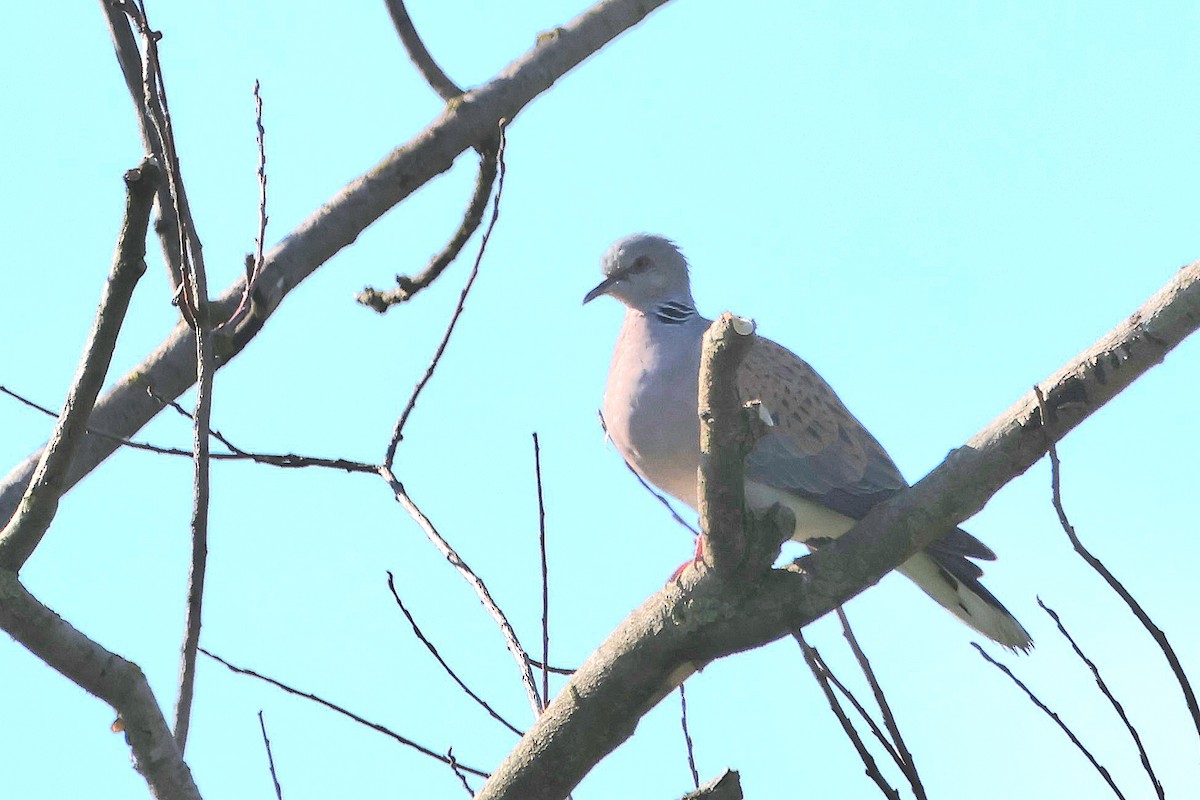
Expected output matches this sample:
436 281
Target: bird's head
644 271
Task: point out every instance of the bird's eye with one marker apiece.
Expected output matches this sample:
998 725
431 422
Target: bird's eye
640 264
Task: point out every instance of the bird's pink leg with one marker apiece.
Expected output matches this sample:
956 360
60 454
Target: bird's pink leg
696 561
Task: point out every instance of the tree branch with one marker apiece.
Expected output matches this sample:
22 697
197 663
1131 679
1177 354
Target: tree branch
419 54
106 675
51 478
824 678
1160 638
170 369
406 287
702 617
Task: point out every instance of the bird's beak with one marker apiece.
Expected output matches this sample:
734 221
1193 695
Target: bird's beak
603 288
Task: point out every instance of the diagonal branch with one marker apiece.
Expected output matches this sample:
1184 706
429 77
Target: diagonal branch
375 726
824 676
170 369
51 478
904 758
1160 638
106 675
1033 698
391 582
519 653
1116 704
702 617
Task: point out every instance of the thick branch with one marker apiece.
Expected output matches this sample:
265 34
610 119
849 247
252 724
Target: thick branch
725 440
474 117
106 675
702 617
51 478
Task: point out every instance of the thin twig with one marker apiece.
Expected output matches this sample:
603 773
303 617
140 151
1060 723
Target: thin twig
537 469
1116 704
813 659
687 737
270 758
344 712
533 662
430 71
398 432
510 635
285 460
256 262
39 504
876 731
462 778
391 582
274 459
1157 633
259 240
1057 720
905 761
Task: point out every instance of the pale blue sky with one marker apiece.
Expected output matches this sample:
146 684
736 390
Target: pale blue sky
935 205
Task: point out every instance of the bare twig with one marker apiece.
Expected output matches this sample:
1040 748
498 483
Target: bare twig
20 537
541 500
462 778
1157 633
285 460
270 758
822 674
406 287
510 635
876 731
904 759
533 662
1057 720
391 582
259 240
106 675
398 431
344 712
257 261
422 60
687 736
1116 704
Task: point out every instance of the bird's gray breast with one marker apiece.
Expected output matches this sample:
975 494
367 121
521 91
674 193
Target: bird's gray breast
650 403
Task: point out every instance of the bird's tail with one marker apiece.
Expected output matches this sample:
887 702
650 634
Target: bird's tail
949 578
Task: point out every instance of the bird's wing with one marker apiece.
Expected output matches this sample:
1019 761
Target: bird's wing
816 448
